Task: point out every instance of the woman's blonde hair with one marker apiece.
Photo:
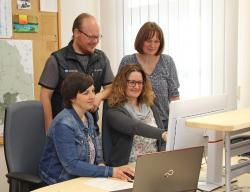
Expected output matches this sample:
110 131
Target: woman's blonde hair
118 96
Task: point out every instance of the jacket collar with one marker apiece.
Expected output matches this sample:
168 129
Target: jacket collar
70 53
88 115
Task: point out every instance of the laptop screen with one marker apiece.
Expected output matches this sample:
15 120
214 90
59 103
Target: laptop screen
168 171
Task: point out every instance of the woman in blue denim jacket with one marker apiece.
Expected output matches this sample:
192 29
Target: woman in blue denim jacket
72 148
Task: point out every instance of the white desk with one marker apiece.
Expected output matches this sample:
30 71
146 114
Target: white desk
232 123
74 185
77 185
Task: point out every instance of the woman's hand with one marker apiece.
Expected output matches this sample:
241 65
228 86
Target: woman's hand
123 172
164 135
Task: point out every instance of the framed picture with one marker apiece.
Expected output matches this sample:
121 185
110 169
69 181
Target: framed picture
24 4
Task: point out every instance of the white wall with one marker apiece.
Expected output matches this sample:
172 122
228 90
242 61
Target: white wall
244 54
70 9
103 16
109 30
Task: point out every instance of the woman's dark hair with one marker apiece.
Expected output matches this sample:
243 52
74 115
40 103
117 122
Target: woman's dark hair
147 32
74 83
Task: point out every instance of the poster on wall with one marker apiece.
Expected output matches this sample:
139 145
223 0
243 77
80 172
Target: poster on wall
17 79
25 24
24 4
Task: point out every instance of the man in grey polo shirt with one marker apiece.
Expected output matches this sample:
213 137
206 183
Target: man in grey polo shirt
80 55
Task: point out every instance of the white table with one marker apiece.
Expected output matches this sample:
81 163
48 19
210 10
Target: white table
232 123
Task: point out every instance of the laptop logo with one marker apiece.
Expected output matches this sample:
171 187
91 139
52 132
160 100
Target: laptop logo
169 173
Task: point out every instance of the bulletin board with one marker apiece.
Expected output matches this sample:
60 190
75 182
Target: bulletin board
44 41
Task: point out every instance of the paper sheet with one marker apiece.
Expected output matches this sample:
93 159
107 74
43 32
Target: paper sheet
48 5
108 184
5 19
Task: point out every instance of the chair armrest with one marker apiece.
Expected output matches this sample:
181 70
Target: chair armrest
24 177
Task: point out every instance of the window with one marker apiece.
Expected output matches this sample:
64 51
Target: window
200 35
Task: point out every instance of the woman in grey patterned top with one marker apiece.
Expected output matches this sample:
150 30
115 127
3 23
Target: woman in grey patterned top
159 67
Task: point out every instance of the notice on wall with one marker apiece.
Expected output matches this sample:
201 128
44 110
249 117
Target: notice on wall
25 24
48 5
23 4
16 73
5 19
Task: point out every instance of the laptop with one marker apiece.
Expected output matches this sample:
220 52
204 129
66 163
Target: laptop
168 171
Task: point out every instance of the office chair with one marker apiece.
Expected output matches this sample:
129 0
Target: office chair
106 135
24 139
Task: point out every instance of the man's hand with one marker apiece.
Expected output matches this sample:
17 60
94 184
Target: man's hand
97 102
101 96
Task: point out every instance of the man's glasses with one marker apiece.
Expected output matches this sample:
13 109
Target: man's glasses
90 36
132 83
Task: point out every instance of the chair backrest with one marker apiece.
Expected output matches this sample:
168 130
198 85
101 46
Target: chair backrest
24 136
106 135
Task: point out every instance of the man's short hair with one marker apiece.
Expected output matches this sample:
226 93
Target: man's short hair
78 20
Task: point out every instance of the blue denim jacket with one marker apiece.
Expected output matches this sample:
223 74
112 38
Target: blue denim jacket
66 154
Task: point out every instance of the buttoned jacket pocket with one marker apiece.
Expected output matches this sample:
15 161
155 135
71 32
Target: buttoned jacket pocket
81 146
